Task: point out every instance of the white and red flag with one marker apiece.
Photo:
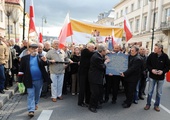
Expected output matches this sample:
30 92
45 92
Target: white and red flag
127 29
65 32
31 14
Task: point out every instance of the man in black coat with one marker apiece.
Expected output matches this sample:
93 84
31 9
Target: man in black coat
84 88
158 64
96 75
33 73
132 75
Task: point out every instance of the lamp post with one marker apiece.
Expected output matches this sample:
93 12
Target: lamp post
23 37
153 27
43 21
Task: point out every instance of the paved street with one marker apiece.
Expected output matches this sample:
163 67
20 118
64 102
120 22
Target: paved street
67 109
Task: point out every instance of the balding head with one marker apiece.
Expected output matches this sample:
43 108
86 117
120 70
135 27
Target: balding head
142 51
90 47
117 48
56 44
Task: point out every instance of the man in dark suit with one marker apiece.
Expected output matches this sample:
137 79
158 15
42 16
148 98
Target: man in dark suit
132 75
96 75
113 81
84 91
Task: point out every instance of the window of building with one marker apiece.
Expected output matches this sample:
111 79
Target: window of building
137 25
139 4
146 2
126 10
1 16
10 29
132 7
131 25
117 15
121 13
144 22
112 23
167 14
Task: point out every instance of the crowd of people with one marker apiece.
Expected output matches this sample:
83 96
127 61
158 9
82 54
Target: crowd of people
81 69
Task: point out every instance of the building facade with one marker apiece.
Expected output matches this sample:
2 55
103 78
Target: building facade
142 16
14 28
106 18
2 18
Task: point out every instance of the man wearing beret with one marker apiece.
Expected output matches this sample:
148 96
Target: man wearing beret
33 73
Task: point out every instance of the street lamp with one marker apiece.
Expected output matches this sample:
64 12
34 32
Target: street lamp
153 27
43 21
23 37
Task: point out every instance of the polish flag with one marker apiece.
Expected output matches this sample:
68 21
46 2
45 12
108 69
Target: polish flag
40 38
65 32
127 29
31 23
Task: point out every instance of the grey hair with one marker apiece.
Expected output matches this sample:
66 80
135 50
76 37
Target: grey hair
101 47
90 45
136 48
159 45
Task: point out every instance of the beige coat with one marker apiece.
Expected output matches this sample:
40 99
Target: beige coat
59 56
4 53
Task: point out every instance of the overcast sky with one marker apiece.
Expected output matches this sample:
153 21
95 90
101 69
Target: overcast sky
56 10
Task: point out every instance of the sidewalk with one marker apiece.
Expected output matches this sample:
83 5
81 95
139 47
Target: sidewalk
8 94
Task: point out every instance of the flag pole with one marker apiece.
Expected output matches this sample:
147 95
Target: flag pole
28 35
71 35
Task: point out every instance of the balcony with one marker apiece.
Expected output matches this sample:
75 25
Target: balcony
165 27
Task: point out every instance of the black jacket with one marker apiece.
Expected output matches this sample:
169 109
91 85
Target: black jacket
97 69
75 66
161 62
133 73
25 68
85 61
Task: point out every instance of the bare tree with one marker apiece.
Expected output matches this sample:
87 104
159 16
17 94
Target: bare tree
15 19
8 11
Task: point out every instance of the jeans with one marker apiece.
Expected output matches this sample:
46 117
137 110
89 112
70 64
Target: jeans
2 77
34 94
57 85
136 96
151 86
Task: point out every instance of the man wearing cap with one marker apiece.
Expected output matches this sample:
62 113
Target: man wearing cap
158 64
33 73
4 56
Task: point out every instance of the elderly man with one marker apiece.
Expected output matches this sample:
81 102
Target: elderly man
32 73
132 75
4 56
40 49
142 80
158 64
113 81
84 88
56 57
96 76
24 43
47 46
15 50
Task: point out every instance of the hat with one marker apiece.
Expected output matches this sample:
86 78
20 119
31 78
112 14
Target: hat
33 46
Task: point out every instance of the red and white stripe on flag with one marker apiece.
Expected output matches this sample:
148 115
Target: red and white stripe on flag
127 29
65 32
31 14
